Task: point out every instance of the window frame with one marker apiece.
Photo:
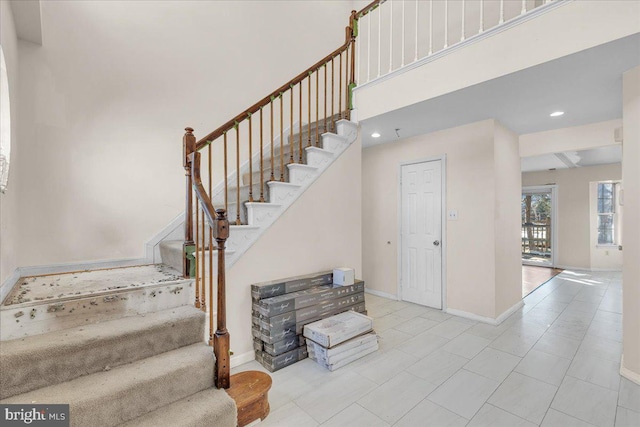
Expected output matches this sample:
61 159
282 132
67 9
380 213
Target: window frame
613 215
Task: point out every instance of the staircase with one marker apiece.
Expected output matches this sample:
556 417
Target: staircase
278 195
125 346
121 347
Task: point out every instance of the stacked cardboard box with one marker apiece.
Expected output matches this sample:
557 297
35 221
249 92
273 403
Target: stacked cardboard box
281 309
340 339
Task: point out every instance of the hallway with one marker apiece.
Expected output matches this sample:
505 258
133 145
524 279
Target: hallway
553 363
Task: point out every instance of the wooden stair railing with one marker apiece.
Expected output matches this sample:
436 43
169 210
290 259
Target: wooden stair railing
328 99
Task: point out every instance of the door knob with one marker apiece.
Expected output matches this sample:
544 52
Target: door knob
436 243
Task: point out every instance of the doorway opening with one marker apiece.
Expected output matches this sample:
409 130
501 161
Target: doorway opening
538 232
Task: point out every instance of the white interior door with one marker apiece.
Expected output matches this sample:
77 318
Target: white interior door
421 233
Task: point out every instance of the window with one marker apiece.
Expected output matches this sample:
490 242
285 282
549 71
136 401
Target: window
606 213
5 124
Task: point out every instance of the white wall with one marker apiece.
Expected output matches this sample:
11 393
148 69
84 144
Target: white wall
574 208
9 200
104 101
571 27
507 218
631 231
319 232
483 213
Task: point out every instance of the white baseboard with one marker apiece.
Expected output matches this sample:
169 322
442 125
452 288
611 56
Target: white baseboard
381 294
8 284
604 270
151 246
517 306
495 322
572 268
629 374
240 359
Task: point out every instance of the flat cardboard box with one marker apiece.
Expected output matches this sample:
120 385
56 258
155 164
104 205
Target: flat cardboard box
292 284
267 339
274 363
329 353
288 320
318 357
336 329
280 347
317 310
274 306
346 361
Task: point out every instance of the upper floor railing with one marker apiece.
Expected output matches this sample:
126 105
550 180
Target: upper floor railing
398 33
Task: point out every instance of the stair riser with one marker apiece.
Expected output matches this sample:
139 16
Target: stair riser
23 371
143 397
261 214
333 143
319 160
282 194
266 174
39 318
301 176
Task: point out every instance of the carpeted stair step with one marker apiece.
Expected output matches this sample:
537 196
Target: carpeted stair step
127 392
43 360
211 407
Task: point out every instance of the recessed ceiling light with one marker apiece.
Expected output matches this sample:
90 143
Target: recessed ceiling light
557 113
375 135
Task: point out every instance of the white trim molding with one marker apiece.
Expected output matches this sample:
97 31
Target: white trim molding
521 19
629 374
495 322
443 239
240 359
381 294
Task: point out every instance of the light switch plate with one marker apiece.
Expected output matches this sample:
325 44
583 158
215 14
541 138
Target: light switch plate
453 215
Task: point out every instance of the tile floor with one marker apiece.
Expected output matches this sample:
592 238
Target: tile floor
555 362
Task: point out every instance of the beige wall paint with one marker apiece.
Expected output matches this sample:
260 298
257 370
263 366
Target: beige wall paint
574 138
574 223
631 226
9 200
320 231
470 189
572 27
507 219
104 101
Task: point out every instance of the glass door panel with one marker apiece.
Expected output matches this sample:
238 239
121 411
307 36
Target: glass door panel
536 232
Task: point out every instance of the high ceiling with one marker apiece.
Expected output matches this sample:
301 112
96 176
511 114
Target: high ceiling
587 86
573 159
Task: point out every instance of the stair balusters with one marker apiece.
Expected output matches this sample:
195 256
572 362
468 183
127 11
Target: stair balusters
210 223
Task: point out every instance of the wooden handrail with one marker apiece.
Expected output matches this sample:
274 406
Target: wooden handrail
217 222
219 226
350 37
267 99
368 8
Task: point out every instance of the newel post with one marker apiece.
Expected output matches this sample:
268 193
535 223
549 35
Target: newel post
353 25
221 338
188 260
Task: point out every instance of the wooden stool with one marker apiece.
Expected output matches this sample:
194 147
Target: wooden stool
250 391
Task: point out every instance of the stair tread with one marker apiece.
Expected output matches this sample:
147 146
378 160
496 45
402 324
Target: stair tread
66 354
126 392
209 407
284 184
94 386
58 287
66 338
